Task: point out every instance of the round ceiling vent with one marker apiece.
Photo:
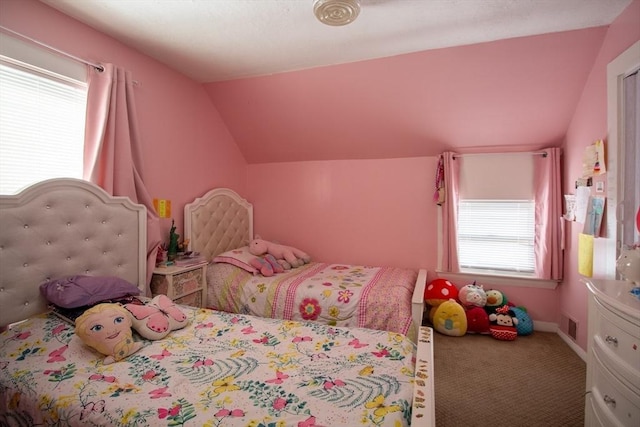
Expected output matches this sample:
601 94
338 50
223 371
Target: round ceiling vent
336 12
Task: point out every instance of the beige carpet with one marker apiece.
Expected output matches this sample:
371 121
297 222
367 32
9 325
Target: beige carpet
536 380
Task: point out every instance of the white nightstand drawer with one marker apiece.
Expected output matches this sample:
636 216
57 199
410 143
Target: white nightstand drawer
187 282
620 339
194 299
184 285
612 399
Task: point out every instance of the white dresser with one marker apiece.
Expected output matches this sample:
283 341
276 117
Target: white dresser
613 355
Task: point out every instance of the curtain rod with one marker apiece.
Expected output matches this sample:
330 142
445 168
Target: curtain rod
533 153
98 67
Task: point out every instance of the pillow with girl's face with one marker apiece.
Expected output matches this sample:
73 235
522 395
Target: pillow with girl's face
107 329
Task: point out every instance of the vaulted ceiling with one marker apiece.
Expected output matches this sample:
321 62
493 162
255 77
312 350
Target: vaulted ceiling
406 78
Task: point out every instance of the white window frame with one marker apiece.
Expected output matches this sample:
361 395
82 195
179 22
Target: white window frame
54 72
489 249
488 279
607 249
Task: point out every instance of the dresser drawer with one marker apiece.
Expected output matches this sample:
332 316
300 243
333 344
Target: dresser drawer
619 340
594 417
612 400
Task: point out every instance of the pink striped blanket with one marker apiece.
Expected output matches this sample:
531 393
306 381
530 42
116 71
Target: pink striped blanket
333 294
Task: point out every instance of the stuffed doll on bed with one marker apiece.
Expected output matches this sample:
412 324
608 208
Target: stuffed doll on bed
107 327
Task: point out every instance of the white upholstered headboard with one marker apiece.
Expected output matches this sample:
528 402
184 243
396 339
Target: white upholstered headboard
219 221
62 227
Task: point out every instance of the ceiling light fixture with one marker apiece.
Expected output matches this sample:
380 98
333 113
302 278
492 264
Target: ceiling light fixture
336 12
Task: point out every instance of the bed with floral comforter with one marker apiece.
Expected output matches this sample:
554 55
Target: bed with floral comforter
333 294
222 369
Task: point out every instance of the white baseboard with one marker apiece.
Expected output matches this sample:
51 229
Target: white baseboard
553 327
545 326
575 347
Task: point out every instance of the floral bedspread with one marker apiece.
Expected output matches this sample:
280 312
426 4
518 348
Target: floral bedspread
333 294
221 370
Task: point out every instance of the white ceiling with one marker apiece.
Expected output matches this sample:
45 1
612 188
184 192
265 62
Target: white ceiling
215 40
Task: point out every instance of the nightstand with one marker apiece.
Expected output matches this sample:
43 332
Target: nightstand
185 285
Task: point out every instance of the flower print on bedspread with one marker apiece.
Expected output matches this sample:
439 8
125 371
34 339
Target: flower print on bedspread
310 309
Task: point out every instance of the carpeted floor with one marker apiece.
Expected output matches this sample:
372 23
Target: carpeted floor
536 380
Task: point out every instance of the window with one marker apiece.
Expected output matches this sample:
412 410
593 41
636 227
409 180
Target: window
500 223
42 117
496 236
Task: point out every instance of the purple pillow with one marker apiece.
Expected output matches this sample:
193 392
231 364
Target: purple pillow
77 291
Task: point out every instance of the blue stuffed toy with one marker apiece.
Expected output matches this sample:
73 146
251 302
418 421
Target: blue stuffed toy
525 324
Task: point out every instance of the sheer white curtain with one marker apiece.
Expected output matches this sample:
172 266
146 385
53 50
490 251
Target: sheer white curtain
113 157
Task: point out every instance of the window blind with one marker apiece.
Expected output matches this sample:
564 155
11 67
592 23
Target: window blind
496 236
42 119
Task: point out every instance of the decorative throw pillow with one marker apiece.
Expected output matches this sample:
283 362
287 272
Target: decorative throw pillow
78 291
107 328
450 319
525 323
240 257
156 319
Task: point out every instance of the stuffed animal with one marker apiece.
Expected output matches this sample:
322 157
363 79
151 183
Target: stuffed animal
503 324
295 257
107 328
284 264
472 296
438 291
267 265
157 318
450 319
495 300
477 321
525 324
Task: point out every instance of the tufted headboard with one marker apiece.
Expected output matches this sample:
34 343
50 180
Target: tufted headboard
219 221
62 227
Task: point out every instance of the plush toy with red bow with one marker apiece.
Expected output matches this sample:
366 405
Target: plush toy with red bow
503 324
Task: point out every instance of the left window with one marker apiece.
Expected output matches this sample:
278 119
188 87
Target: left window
43 101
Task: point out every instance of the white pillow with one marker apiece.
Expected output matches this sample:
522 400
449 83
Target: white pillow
157 318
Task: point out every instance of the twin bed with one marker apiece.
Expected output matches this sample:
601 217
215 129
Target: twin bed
222 369
219 225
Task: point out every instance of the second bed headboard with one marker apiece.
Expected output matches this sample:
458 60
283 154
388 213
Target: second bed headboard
219 221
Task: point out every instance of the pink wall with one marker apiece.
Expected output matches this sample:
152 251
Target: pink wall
336 206
187 147
375 212
517 91
589 124
351 211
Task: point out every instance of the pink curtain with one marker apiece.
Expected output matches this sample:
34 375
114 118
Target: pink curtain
112 152
450 214
548 214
